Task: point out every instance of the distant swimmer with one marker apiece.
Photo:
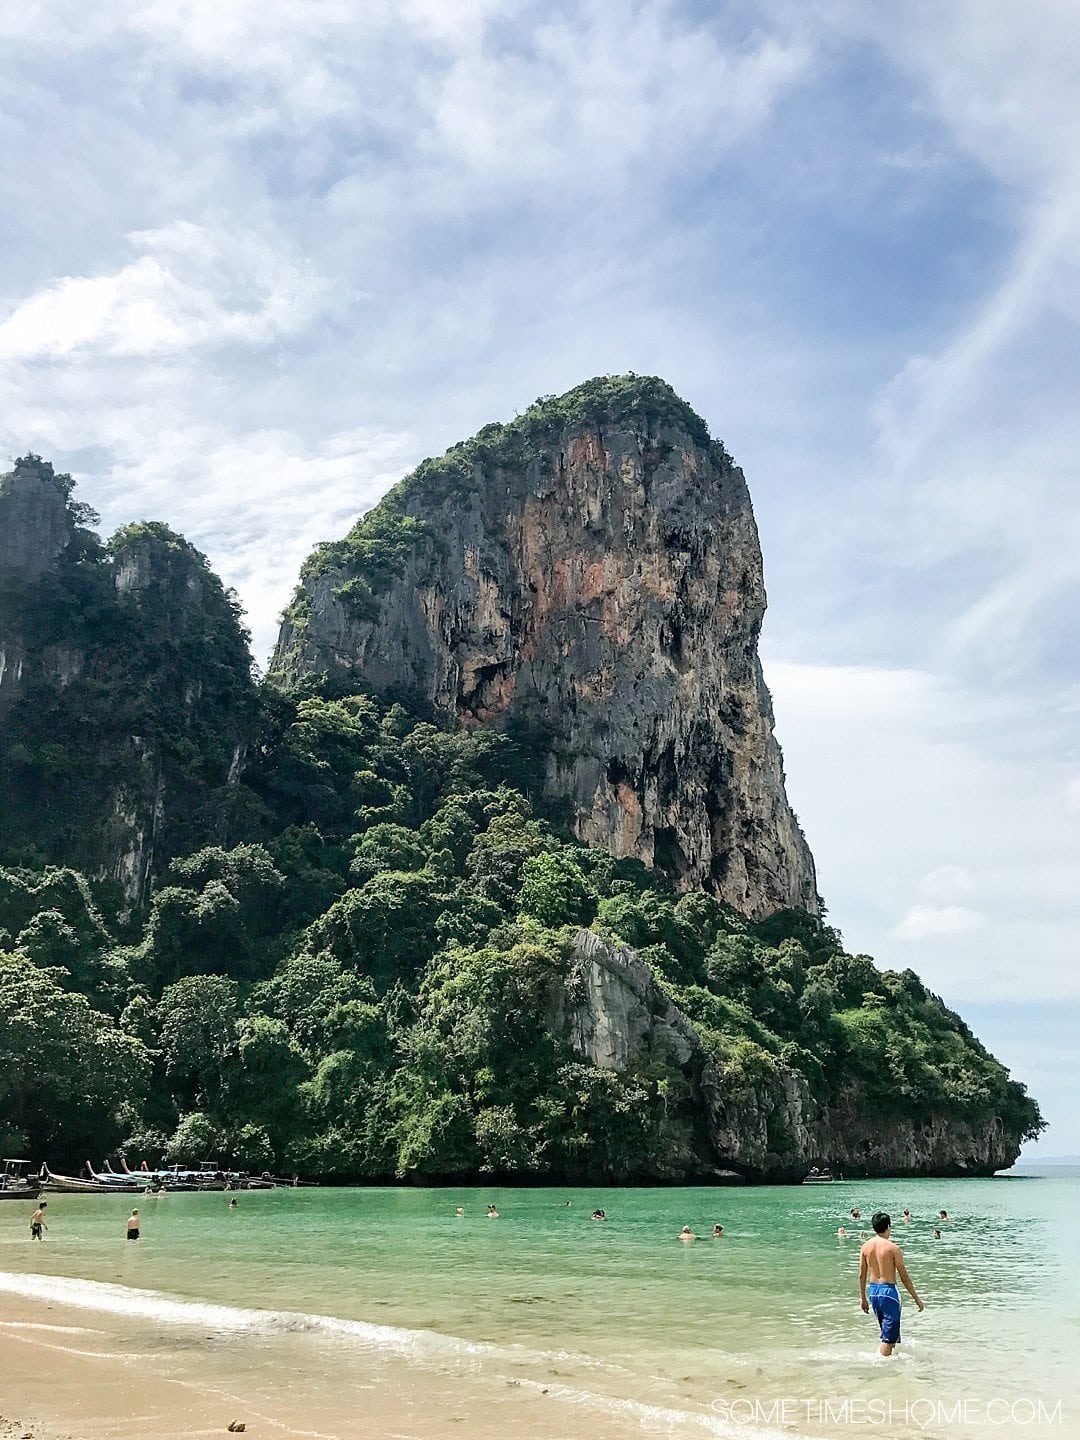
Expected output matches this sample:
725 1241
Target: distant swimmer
598 1215
133 1225
863 1235
841 1233
460 1210
880 1261
906 1217
232 1203
718 1232
492 1213
37 1221
937 1233
686 1233
856 1214
943 1215
162 1192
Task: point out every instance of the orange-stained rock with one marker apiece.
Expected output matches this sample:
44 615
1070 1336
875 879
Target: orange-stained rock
599 584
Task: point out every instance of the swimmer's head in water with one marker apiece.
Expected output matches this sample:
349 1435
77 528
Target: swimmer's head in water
718 1229
881 1221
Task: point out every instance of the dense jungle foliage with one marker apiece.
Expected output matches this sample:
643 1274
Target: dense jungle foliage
365 986
351 961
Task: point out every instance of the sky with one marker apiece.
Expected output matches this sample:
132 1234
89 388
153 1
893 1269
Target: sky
256 261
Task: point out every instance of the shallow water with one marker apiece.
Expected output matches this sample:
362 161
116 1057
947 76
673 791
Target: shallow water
758 1331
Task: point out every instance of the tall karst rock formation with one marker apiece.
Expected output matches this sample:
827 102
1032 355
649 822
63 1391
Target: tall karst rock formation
588 577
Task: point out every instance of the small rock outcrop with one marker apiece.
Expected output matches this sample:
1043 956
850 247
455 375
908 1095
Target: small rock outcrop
613 1014
589 578
36 523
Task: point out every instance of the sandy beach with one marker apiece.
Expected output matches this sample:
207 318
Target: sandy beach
73 1374
69 1375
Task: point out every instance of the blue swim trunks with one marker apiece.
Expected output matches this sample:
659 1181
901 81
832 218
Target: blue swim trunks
885 1303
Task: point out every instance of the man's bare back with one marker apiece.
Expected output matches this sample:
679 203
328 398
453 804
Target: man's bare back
882 1258
881 1261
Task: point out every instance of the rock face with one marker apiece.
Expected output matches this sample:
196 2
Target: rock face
614 1015
36 525
125 689
590 578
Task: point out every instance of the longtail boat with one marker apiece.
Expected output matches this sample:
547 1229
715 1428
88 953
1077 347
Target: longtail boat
15 1184
76 1185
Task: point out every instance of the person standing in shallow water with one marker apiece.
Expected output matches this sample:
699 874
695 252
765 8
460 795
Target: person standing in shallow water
37 1221
880 1261
133 1225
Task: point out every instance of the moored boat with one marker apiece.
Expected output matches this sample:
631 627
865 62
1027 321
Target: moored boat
14 1182
76 1185
110 1182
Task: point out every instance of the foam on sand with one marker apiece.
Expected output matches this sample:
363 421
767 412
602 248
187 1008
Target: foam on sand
426 1348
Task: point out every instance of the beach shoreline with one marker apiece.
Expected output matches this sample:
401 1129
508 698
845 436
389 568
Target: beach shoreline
74 1373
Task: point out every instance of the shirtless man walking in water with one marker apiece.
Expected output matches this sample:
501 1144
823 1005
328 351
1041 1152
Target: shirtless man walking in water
880 1261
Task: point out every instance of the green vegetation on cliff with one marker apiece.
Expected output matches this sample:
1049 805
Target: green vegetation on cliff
368 985
135 692
353 951
380 542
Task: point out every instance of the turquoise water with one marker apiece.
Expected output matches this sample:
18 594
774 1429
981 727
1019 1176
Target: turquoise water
714 1332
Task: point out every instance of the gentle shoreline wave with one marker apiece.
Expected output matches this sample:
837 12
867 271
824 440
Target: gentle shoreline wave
416 1346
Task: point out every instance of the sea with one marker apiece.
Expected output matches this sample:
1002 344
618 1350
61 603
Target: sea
543 1321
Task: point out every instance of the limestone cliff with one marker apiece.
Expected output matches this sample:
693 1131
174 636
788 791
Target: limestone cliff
36 527
125 688
590 578
36 520
613 1014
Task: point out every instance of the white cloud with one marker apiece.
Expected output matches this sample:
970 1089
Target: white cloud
923 921
894 775
190 287
947 882
977 431
523 115
1072 793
